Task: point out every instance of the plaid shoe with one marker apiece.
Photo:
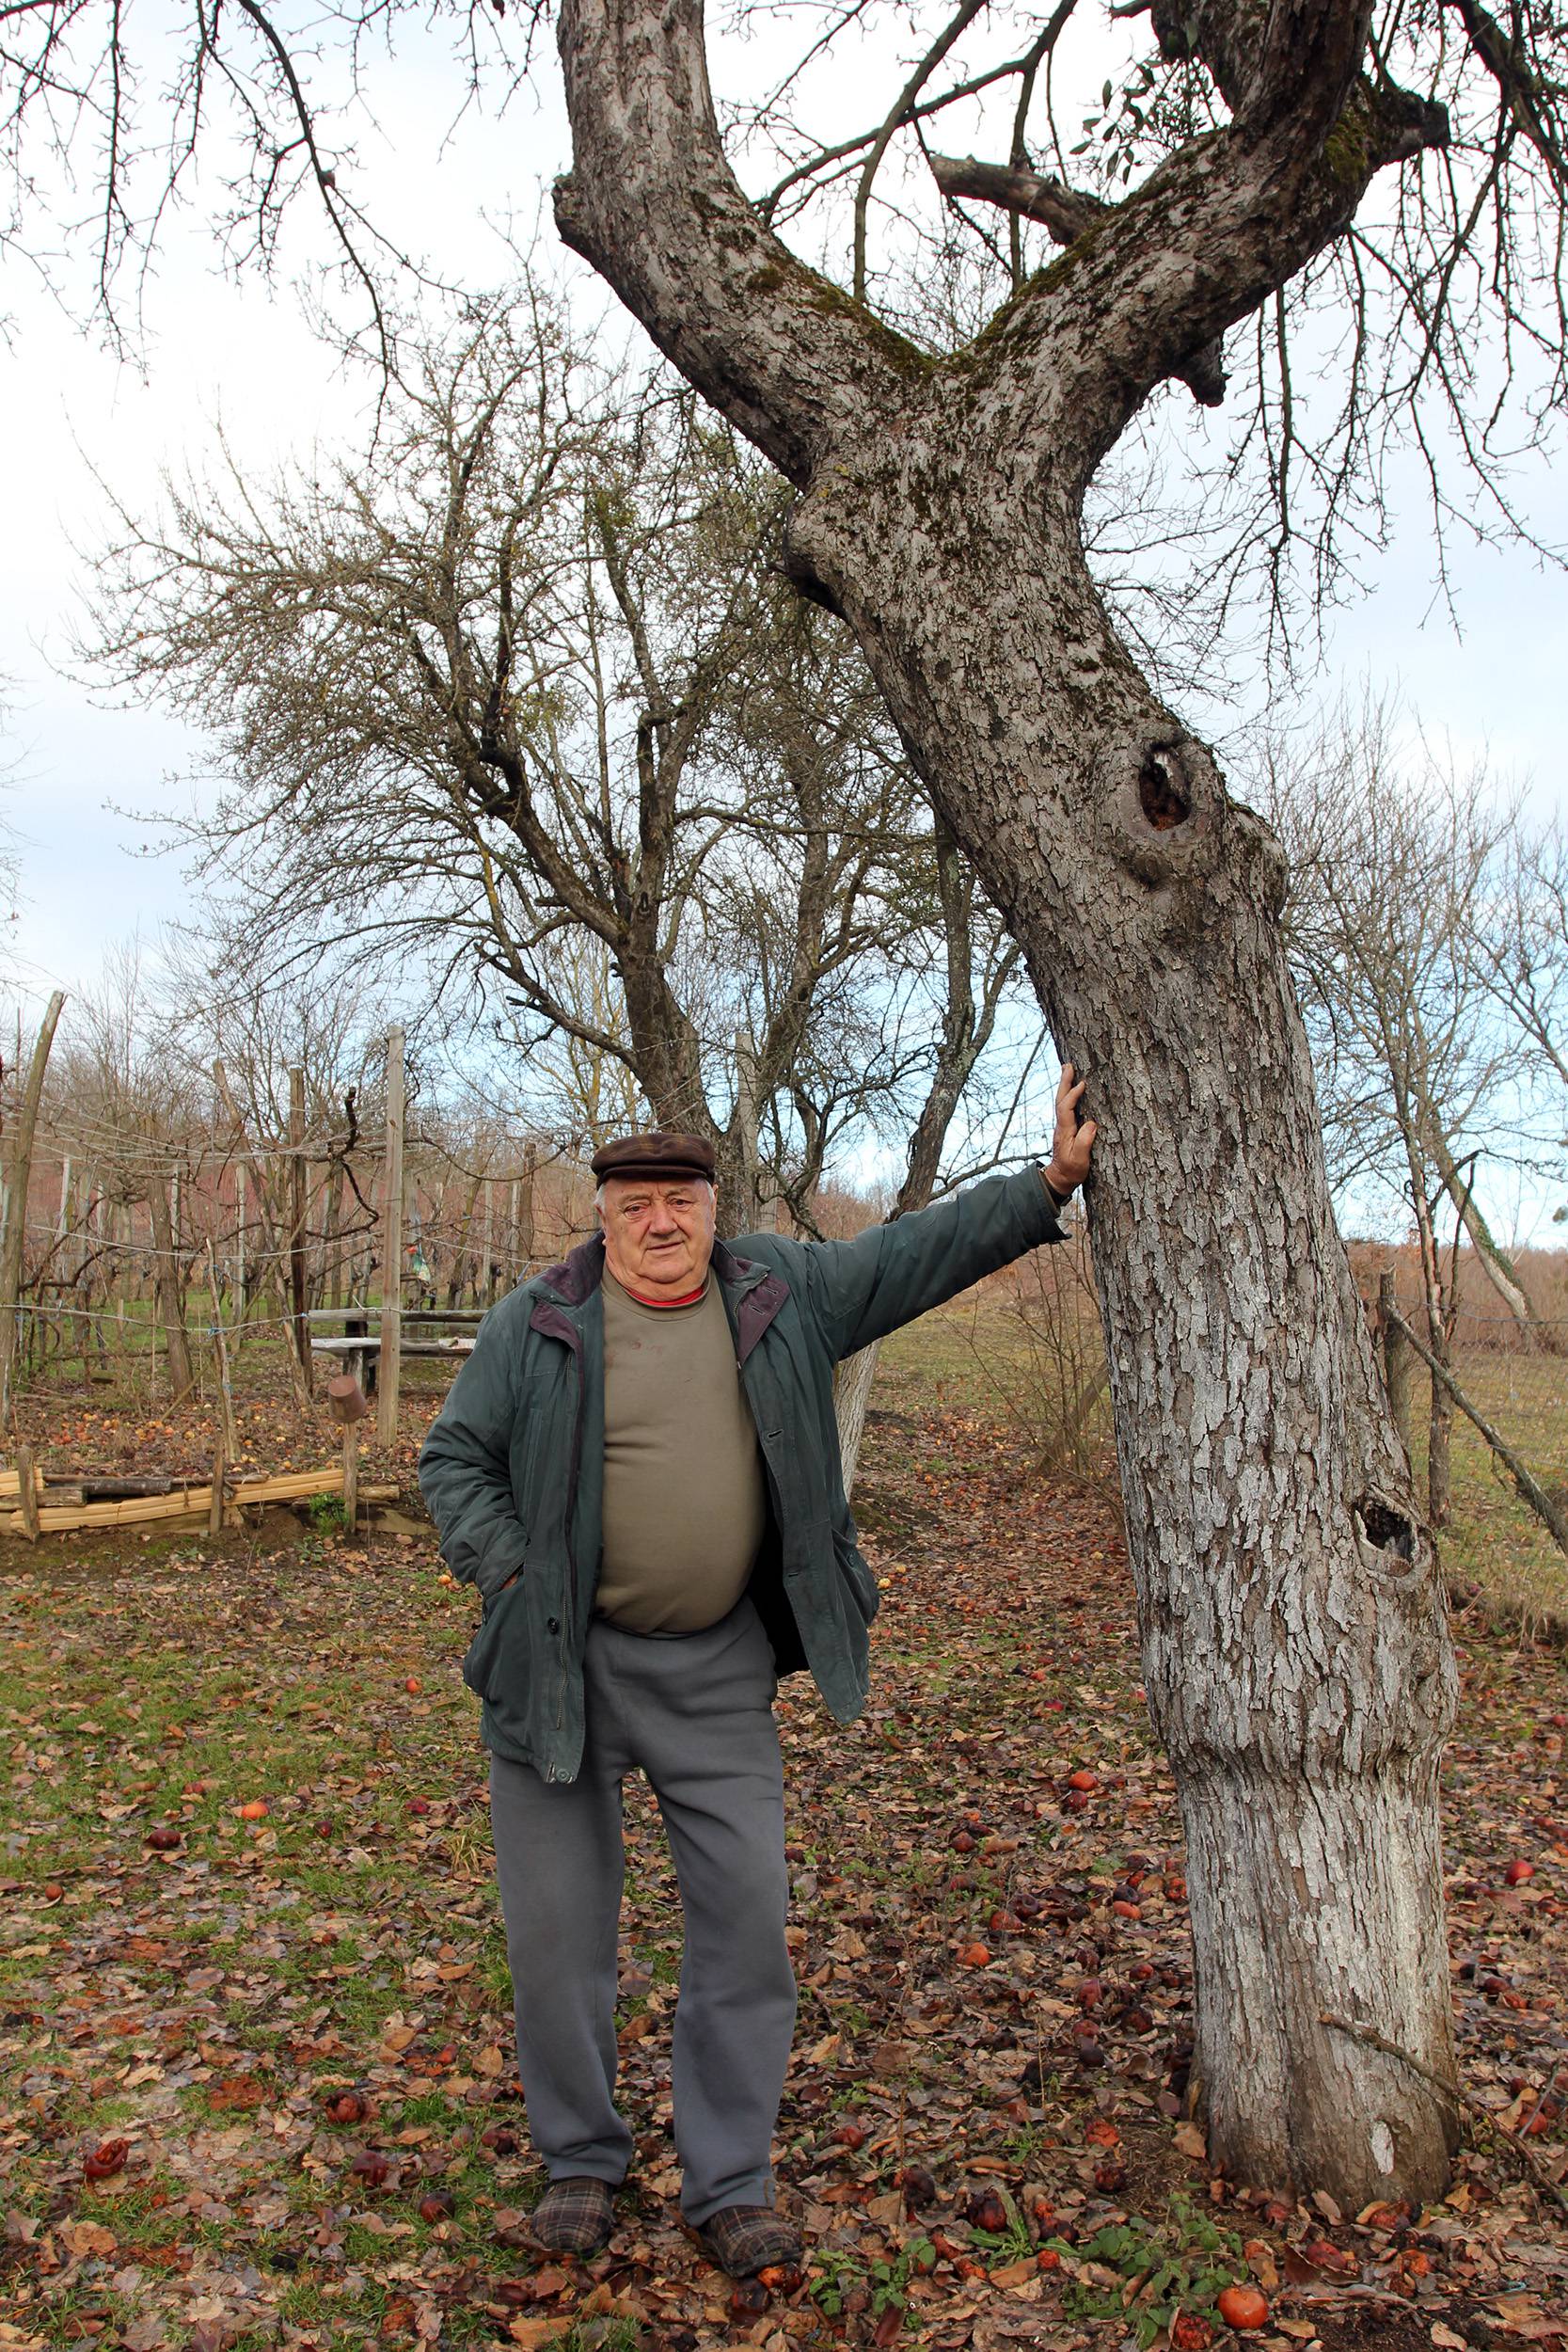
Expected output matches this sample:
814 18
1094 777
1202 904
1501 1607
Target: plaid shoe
573 2217
744 2239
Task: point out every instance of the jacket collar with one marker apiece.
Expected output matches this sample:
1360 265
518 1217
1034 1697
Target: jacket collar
581 1273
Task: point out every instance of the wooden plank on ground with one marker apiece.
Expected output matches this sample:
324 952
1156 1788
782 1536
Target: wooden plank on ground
196 1501
88 1486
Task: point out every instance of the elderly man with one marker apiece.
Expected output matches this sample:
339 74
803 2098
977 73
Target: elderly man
639 1468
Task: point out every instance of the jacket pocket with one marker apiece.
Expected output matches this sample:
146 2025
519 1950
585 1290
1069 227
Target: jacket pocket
484 1668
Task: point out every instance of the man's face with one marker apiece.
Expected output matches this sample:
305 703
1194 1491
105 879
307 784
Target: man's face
658 1235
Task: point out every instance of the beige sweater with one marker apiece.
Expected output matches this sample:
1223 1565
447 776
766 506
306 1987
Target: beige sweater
684 1500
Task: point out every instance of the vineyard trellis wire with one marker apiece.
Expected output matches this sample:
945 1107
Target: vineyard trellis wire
130 1242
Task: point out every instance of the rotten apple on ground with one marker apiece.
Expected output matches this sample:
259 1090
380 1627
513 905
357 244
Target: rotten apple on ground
1244 2308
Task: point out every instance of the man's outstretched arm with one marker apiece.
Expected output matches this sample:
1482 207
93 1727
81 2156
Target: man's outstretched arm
865 1287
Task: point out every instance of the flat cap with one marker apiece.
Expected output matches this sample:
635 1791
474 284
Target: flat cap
656 1154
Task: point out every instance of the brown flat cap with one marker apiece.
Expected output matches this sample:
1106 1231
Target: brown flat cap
656 1154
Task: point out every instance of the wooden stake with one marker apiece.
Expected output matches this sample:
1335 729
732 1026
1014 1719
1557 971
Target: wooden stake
26 1492
169 1288
392 1259
351 1474
215 1507
239 1238
19 1175
220 1349
299 1332
525 1228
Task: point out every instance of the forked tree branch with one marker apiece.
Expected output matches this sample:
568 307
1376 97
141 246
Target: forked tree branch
1068 214
808 373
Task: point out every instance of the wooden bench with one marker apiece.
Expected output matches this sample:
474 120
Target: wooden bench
358 1351
361 1353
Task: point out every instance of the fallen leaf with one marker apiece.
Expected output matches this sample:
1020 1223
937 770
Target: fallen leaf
82 2238
1014 2274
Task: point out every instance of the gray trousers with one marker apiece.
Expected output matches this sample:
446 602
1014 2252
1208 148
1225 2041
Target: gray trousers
695 1714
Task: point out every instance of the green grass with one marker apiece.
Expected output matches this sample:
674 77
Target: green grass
1493 1539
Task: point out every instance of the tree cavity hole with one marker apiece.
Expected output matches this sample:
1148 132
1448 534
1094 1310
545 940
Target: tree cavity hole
1387 1529
1163 793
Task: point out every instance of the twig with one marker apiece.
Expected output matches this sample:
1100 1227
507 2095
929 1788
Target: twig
1530 2163
1531 1491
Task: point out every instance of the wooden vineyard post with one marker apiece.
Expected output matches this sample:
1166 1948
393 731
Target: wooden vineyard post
299 1328
169 1290
27 1492
220 1467
346 1401
522 1215
220 1350
238 1284
351 1475
390 1364
19 1174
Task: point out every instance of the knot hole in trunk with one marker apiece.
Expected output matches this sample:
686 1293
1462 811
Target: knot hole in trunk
1386 1531
1164 794
1163 810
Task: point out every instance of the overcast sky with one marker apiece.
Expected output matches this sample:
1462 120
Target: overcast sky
244 355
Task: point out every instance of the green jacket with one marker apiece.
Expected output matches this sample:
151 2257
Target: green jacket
512 1466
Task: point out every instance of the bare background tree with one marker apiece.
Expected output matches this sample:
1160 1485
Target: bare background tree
1405 896
518 696
1523 957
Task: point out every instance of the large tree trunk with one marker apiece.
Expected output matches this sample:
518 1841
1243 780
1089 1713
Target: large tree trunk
1294 1635
852 1386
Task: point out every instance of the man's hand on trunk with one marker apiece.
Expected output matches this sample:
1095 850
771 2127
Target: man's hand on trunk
1073 1143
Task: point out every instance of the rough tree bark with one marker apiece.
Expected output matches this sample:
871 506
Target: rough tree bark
1294 1637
